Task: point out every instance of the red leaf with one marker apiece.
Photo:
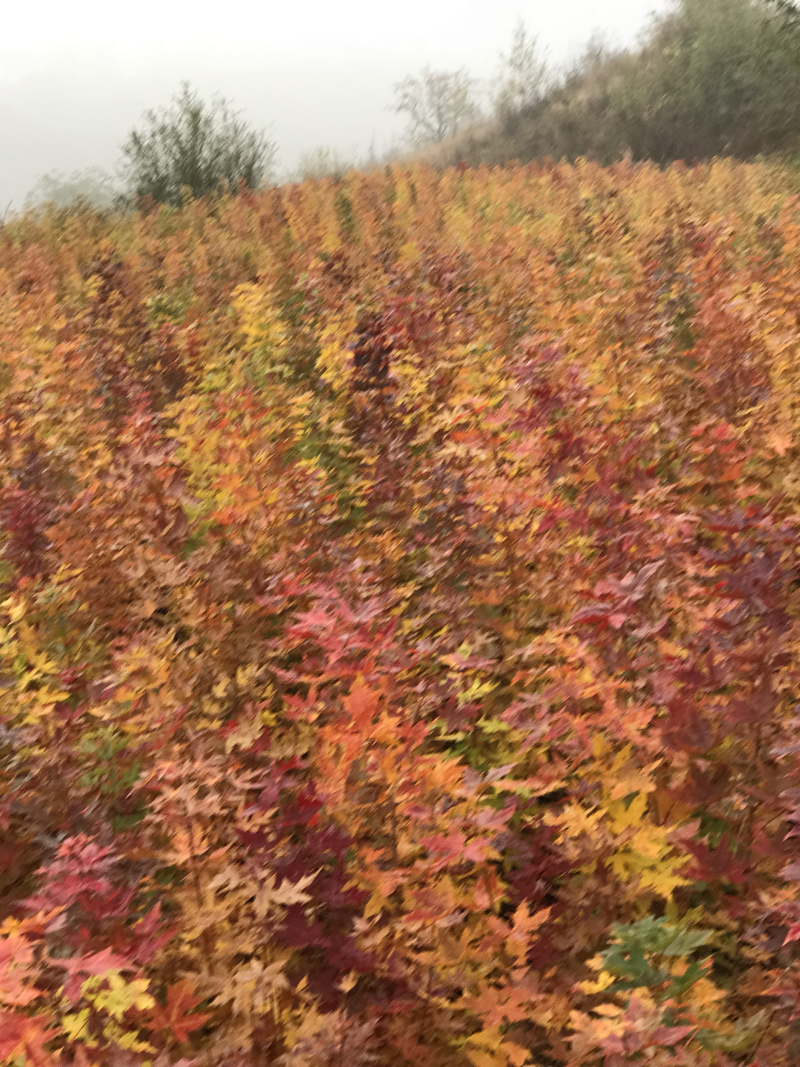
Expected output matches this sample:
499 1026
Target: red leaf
23 1037
716 863
149 939
595 613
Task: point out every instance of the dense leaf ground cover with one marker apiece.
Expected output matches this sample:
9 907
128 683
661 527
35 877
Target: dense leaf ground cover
399 624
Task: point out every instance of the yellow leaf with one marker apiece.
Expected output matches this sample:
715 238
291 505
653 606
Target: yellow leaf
604 980
221 688
480 1058
348 982
490 1038
515 1054
15 609
111 993
599 746
130 1040
146 609
245 675
611 1010
74 1024
374 905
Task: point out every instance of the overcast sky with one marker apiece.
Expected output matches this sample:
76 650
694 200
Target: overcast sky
75 76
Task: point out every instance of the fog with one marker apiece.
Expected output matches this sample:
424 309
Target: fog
74 78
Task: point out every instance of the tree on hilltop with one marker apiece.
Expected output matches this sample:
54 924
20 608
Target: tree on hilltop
195 145
524 76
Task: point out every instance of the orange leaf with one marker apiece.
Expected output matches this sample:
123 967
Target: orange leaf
176 1017
779 442
361 703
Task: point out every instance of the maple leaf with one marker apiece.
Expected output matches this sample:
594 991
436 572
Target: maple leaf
715 863
361 703
147 942
178 1016
16 958
21 1035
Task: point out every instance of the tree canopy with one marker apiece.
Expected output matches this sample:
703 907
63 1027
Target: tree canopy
196 145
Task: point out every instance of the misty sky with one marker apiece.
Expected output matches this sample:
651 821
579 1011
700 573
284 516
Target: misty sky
75 77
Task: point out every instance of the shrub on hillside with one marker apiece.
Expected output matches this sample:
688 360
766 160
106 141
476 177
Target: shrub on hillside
196 146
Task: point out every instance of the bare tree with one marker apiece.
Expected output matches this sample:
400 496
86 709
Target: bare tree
437 103
524 74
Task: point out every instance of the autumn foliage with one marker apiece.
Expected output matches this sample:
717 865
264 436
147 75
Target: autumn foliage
399 639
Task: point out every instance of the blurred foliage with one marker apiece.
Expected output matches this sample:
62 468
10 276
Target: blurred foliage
400 623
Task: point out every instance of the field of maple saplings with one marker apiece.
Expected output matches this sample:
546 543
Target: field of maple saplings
399 648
